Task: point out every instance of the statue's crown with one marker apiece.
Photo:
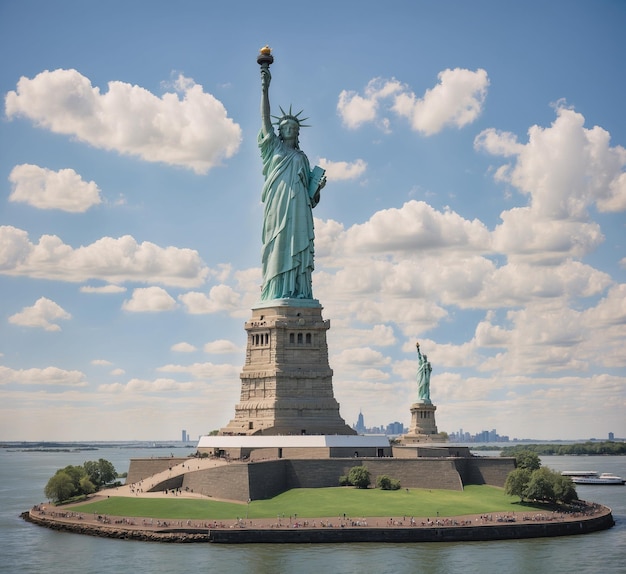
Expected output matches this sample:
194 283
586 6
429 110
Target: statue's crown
291 116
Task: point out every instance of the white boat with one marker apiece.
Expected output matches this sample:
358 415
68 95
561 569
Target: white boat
572 473
591 477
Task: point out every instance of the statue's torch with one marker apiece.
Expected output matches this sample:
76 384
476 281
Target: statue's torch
265 58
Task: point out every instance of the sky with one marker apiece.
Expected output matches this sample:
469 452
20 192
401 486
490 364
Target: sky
476 201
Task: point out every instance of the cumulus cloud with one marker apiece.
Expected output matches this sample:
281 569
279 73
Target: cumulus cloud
355 109
101 362
49 376
363 356
457 100
343 170
221 347
189 128
219 298
417 226
105 289
47 189
42 314
204 370
565 169
147 386
108 259
149 299
183 347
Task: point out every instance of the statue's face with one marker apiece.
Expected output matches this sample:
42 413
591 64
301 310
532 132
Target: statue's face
289 130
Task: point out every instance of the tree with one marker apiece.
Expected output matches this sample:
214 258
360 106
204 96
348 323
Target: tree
359 476
527 459
100 472
86 486
75 473
107 471
516 482
564 488
540 486
59 487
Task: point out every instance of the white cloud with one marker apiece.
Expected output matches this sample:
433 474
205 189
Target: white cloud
105 289
49 376
565 169
183 347
192 131
47 189
118 372
204 370
356 110
220 298
456 100
108 259
147 386
417 226
42 314
363 356
343 170
101 362
149 299
221 347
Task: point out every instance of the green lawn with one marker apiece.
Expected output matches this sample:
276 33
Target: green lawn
318 502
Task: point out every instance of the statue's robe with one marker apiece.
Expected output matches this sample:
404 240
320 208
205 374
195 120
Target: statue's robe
288 235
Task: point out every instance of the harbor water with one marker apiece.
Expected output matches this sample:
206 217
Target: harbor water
26 548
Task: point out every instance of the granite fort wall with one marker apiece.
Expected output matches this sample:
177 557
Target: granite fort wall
229 482
483 470
141 468
420 473
267 478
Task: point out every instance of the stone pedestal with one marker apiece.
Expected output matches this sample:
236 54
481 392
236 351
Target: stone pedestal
423 427
286 382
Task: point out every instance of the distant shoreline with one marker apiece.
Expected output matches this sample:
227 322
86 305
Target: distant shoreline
492 526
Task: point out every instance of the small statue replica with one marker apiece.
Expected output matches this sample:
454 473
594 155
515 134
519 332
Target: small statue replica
424 369
290 192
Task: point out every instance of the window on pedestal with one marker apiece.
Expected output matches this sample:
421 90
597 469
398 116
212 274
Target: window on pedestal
260 339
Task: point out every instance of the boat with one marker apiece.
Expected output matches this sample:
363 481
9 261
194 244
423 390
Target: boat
592 477
579 473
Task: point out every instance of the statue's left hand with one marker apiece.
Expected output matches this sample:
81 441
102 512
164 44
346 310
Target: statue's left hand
322 182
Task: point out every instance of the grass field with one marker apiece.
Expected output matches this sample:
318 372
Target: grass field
318 502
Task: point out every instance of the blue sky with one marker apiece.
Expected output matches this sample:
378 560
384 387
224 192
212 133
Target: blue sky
476 162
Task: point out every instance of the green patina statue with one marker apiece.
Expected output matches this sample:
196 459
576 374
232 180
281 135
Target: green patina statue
424 369
290 192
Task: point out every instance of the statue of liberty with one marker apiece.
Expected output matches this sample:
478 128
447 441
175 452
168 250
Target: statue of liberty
424 369
290 192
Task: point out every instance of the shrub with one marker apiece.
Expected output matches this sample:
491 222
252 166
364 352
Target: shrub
385 482
359 476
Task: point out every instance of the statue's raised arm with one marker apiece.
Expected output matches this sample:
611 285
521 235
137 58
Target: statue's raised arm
266 78
289 193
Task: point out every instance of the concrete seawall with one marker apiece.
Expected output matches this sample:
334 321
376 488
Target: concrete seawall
600 519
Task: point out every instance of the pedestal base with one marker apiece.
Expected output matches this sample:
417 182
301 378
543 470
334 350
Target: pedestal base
423 427
286 382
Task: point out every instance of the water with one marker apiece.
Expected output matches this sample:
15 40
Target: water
26 548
